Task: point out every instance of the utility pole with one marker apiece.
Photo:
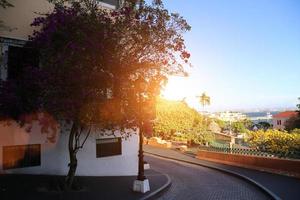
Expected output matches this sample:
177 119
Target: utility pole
142 183
141 174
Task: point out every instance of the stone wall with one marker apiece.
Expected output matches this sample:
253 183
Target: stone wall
276 165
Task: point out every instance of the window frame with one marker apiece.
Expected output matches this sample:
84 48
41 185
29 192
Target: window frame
105 142
5 43
31 157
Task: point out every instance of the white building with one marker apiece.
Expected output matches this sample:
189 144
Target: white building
15 27
32 153
229 116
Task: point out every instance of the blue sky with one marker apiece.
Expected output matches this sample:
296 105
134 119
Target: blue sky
245 53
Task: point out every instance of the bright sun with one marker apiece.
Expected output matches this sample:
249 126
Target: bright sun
175 88
178 88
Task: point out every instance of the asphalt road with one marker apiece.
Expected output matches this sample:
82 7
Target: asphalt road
191 182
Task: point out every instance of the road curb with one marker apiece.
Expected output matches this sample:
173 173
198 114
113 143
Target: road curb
160 190
238 175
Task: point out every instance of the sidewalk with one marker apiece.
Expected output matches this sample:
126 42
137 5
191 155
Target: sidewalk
94 188
282 186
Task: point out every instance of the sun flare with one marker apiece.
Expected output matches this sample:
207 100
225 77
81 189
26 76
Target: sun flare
179 88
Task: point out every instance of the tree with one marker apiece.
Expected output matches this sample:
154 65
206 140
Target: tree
177 119
199 133
204 100
264 125
238 127
172 117
241 126
97 66
214 127
222 124
293 122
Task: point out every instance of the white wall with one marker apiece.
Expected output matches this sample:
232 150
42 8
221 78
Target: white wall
17 19
281 126
54 156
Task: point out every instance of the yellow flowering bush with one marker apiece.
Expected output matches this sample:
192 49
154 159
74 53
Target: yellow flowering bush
274 141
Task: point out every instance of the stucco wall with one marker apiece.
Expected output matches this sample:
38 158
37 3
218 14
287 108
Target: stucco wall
17 19
54 156
282 125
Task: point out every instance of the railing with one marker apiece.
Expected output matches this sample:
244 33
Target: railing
253 152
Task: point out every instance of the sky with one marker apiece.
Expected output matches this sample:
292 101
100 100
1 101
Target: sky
245 53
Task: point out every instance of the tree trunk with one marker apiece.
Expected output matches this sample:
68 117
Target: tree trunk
69 182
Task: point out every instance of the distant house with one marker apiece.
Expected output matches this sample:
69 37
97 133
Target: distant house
31 152
229 116
280 118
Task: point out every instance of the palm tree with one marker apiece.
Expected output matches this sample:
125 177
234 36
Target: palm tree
204 100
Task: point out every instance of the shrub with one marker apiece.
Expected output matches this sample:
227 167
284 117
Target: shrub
274 141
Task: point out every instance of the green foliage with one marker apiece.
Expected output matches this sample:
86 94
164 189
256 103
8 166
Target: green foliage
204 99
219 144
214 127
274 140
199 133
239 126
174 119
247 123
293 122
263 125
295 131
221 123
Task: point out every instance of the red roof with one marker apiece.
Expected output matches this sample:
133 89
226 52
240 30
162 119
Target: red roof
286 114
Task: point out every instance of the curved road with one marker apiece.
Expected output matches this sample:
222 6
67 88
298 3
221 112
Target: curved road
191 182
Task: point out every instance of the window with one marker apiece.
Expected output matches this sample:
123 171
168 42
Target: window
108 147
19 156
18 58
278 122
111 2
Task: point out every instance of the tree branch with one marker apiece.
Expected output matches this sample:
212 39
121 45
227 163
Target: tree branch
87 135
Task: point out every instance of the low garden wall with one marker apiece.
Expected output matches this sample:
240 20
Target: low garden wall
157 142
277 165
